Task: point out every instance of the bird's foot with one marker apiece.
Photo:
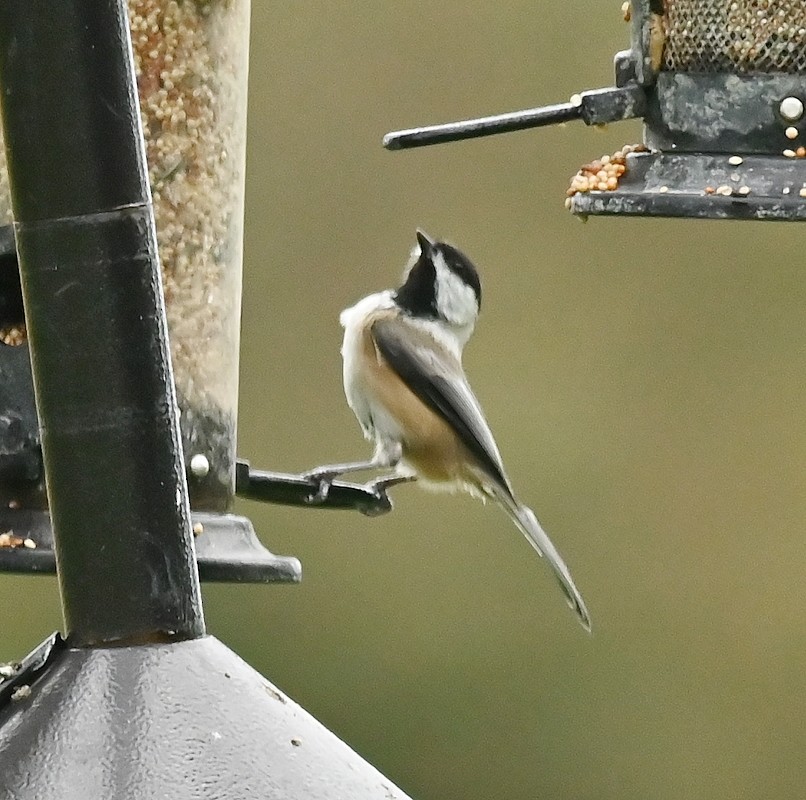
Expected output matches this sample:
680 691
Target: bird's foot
379 487
321 479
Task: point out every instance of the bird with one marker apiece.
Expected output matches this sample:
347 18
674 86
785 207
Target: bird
404 381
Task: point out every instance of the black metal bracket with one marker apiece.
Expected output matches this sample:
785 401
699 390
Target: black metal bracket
297 490
595 107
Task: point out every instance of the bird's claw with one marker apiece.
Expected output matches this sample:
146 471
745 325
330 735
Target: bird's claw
383 504
322 480
379 488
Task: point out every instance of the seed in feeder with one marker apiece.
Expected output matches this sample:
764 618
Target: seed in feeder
8 539
13 335
802 192
734 161
602 175
709 190
199 465
725 191
786 190
789 153
801 152
198 529
663 189
29 543
21 693
791 133
735 177
190 66
744 190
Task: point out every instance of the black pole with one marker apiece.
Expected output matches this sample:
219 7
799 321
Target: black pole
96 323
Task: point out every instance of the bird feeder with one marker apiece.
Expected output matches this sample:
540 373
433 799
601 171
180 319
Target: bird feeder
137 700
190 60
721 88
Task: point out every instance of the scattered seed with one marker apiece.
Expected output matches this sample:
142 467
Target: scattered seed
735 161
602 175
791 132
198 529
789 153
21 692
744 190
13 335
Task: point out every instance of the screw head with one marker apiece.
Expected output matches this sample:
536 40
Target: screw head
199 465
791 108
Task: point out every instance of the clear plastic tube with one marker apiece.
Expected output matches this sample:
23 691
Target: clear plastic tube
191 61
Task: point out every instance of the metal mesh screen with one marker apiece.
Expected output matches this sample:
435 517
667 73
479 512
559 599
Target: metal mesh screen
735 36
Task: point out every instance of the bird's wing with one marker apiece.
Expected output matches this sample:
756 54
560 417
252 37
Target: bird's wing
436 376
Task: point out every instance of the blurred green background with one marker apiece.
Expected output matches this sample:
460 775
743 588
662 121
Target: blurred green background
645 383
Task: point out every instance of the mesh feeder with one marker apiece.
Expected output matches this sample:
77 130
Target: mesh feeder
721 88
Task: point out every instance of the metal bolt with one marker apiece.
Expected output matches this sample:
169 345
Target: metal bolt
199 465
791 108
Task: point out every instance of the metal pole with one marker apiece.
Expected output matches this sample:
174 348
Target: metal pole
94 309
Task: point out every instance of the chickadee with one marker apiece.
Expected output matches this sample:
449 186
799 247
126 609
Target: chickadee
404 381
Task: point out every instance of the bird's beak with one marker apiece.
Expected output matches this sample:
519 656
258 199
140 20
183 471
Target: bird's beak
425 242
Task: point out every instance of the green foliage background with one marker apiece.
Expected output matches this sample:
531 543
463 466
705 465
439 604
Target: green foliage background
644 380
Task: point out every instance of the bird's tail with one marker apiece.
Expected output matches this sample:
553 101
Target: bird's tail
528 525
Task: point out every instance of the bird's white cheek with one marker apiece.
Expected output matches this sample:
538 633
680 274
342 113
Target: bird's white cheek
456 300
